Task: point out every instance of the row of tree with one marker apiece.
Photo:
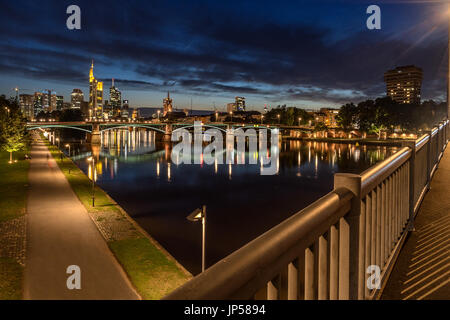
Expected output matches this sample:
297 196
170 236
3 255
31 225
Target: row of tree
13 132
375 116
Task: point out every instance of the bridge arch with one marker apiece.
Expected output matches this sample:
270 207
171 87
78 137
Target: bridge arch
57 126
204 125
133 126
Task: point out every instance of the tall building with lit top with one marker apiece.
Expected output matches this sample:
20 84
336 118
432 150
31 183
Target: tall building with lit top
95 95
115 99
403 84
167 104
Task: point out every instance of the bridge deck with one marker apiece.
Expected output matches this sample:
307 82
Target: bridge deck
422 270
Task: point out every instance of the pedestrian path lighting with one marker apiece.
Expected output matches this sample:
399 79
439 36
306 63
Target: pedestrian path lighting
92 161
68 146
200 215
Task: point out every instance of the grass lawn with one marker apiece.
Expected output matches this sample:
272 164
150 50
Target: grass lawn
13 185
152 273
13 202
11 275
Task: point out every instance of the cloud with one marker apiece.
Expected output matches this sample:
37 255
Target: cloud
199 48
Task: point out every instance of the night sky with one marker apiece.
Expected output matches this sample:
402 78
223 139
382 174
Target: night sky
308 54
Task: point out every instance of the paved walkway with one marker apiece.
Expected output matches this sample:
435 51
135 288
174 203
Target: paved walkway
422 270
59 234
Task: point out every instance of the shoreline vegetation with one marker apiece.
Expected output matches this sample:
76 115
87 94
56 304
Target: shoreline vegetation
361 141
14 191
150 268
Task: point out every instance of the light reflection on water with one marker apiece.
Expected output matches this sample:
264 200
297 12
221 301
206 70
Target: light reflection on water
241 204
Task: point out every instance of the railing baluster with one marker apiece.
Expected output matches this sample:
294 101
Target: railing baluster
322 278
380 200
384 198
344 260
272 289
373 225
334 262
368 239
310 289
293 272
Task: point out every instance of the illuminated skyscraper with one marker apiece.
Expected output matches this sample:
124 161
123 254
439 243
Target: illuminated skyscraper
26 103
95 95
167 104
240 103
59 102
403 84
76 98
115 98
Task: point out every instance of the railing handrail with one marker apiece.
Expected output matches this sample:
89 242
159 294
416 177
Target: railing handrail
420 142
377 173
374 210
243 272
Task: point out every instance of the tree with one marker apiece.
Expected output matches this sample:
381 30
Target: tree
14 135
346 117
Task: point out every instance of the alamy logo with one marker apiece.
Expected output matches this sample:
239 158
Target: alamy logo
74 20
374 20
374 280
214 152
74 280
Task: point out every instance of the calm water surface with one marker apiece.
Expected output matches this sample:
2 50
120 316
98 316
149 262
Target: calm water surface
241 204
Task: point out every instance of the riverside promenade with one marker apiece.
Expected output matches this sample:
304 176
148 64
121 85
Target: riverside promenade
422 270
60 233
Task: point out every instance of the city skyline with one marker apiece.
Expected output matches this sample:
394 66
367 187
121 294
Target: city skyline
312 59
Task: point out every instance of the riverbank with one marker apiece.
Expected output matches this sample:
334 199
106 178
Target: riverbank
13 191
388 143
153 272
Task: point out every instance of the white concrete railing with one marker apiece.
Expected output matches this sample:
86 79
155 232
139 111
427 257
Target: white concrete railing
323 251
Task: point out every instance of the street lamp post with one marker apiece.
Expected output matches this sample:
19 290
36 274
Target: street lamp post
158 113
92 160
299 119
68 146
262 117
200 215
279 118
231 113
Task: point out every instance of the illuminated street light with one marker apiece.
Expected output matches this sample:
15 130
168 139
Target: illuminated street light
279 118
200 215
68 146
158 114
299 119
92 161
231 113
262 117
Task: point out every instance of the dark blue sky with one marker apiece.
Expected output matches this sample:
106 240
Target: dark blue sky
303 53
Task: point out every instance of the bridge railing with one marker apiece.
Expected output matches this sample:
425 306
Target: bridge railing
329 249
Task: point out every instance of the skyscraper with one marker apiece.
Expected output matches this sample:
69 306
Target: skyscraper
95 95
403 84
76 98
240 103
38 103
167 104
26 103
115 99
59 102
